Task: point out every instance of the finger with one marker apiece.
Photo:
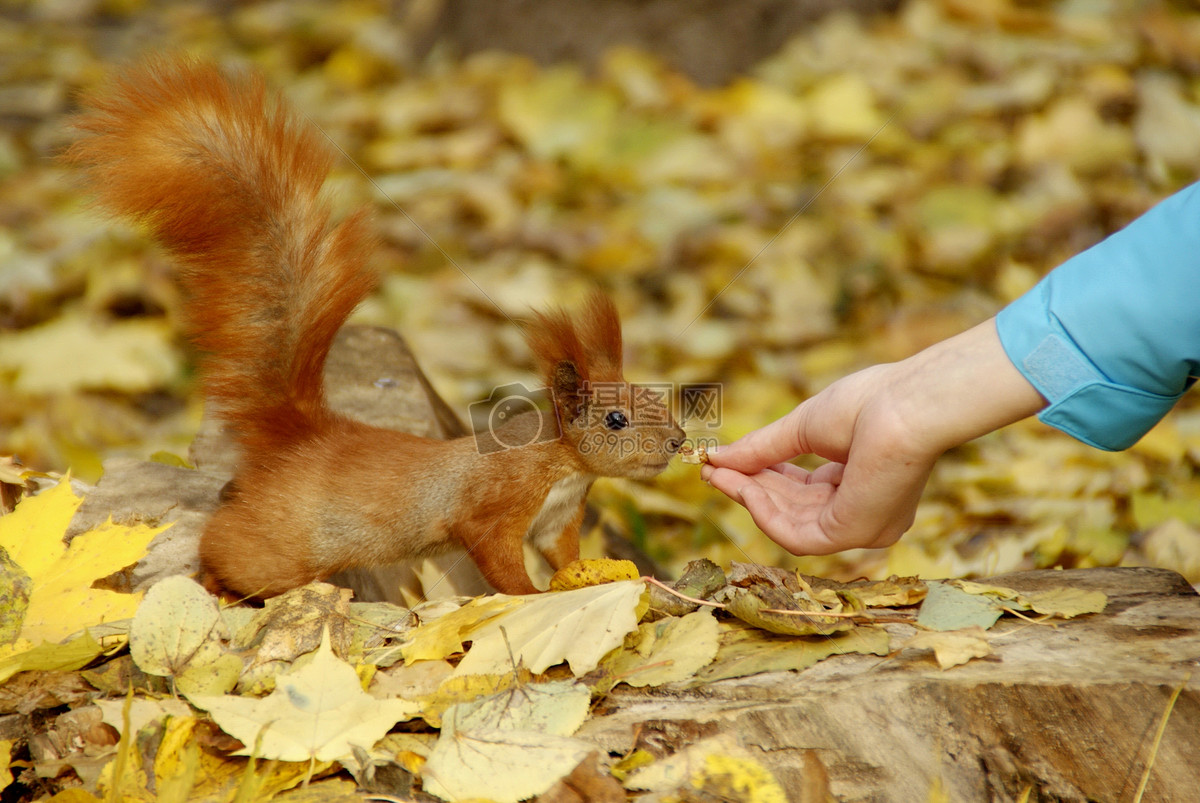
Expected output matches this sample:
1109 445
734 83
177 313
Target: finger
792 471
782 478
728 481
775 443
832 473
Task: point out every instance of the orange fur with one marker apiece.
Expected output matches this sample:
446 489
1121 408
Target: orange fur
228 181
591 340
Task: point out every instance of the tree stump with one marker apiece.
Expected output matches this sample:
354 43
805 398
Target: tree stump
1064 712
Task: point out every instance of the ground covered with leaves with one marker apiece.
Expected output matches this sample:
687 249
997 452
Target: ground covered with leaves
875 186
172 696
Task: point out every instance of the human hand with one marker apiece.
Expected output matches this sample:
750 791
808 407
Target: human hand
882 429
866 496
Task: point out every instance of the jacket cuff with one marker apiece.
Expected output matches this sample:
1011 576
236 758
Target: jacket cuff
1083 402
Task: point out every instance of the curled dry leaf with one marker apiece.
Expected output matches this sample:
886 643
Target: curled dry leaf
776 610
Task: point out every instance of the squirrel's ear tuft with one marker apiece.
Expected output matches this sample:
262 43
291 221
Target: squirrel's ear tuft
600 332
590 340
553 339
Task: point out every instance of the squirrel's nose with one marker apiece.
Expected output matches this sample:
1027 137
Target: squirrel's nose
675 442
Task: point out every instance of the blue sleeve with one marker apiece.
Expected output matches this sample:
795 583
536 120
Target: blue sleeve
1111 338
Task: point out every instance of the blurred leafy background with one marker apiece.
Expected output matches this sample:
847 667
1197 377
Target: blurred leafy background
874 184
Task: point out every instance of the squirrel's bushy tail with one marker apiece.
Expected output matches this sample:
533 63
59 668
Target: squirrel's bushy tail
228 180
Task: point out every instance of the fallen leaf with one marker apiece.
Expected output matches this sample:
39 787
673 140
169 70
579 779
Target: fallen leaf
6 777
142 711
378 631
557 114
557 707
317 711
410 681
174 620
776 610
39 690
75 352
212 670
578 627
22 656
592 572
631 763
728 776
464 688
188 768
176 633
748 575
116 676
504 766
444 636
719 767
995 591
293 623
952 647
842 106
676 649
1065 602
590 781
748 650
63 601
15 588
890 593
74 794
700 580
948 607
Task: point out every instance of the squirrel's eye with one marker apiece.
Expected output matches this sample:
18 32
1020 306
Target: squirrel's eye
616 420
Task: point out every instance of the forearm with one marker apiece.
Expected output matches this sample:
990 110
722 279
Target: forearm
957 390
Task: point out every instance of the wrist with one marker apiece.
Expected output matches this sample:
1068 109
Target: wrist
957 390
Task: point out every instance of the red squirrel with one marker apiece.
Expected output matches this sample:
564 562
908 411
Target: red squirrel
228 180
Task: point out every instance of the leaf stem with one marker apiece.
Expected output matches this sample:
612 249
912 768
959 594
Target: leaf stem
681 595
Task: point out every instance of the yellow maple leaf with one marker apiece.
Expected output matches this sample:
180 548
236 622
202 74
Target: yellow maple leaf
318 712
63 601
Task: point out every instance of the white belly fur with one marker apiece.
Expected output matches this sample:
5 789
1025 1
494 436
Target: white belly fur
557 511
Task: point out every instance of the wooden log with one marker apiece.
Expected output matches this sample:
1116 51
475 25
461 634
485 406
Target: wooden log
1065 711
